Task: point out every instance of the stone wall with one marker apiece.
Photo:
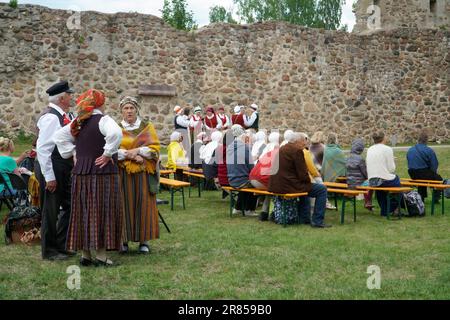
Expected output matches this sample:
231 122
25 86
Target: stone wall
305 79
418 14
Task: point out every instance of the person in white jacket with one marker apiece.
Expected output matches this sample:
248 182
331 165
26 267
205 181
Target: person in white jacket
381 171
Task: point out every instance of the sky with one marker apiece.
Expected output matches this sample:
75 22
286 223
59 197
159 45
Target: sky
199 7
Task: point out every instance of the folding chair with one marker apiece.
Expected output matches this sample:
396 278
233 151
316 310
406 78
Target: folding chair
6 196
160 202
18 185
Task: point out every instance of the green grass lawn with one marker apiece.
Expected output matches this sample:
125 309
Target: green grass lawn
209 255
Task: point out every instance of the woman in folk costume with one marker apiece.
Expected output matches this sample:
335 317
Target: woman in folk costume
212 122
97 211
238 116
196 123
224 119
138 162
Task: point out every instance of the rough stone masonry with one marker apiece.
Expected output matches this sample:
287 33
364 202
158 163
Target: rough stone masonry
302 78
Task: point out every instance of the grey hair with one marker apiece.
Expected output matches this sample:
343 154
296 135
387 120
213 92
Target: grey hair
296 136
423 137
332 138
55 99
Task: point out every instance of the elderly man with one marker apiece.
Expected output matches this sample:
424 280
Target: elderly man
239 166
53 173
423 163
181 123
252 122
290 175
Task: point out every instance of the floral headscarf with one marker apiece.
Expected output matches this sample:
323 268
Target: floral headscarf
86 103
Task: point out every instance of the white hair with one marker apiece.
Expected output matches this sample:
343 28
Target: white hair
287 133
274 137
260 136
296 136
175 136
55 99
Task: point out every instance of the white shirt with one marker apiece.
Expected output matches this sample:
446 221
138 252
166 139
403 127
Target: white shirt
250 121
380 162
183 120
48 124
219 122
108 127
131 126
145 152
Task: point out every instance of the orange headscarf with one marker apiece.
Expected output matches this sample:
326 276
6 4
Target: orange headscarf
86 103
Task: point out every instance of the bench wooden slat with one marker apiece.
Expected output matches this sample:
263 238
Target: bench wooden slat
173 183
267 193
192 174
336 185
389 189
166 172
430 185
422 181
347 192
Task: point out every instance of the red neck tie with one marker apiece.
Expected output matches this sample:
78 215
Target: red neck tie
66 120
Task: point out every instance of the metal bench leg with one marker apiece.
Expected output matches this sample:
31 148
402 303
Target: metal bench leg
336 201
231 204
171 199
442 200
182 195
199 185
433 200
388 213
190 182
343 209
354 209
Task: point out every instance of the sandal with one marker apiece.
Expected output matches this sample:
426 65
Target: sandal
85 262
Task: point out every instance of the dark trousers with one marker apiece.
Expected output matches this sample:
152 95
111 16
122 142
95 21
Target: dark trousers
246 201
382 196
424 174
55 209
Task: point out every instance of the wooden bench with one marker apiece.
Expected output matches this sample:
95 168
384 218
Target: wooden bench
174 186
166 172
433 185
397 191
233 194
199 177
341 190
422 181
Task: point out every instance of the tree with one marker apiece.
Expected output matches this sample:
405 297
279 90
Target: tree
176 14
220 14
311 13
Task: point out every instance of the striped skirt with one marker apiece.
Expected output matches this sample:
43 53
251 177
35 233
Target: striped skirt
141 215
97 213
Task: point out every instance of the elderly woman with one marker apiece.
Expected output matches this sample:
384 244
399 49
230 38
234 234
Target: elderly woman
259 145
334 160
8 164
317 147
212 122
97 212
274 143
176 155
239 166
291 176
138 162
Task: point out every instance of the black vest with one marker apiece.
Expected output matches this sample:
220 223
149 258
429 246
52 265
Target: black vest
177 126
56 156
255 124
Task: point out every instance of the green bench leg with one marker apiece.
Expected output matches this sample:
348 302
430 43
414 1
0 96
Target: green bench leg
182 195
433 200
442 194
199 185
171 199
190 182
388 213
354 209
336 201
343 209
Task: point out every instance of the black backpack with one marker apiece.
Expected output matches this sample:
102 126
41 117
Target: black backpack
447 191
414 204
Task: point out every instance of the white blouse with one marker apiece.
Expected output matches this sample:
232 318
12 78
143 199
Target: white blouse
107 126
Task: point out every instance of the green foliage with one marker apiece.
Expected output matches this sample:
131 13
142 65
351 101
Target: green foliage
220 14
175 13
311 13
13 3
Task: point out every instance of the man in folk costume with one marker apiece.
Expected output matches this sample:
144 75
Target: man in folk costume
238 116
181 123
138 163
96 222
53 173
196 123
212 122
252 122
224 119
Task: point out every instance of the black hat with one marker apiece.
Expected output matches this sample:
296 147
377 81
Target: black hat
58 88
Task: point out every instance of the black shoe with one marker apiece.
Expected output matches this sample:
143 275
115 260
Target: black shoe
69 253
85 262
57 257
107 263
322 225
264 216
